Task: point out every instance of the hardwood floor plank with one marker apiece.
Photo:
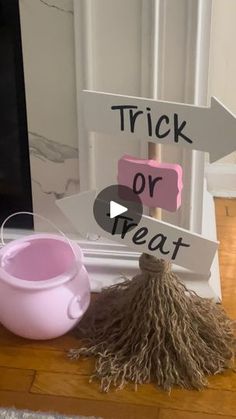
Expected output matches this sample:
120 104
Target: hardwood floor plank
42 359
226 221
225 381
76 406
227 246
220 207
210 401
225 206
226 231
64 343
177 414
16 379
231 208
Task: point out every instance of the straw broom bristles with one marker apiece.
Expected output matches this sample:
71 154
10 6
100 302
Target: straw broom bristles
152 329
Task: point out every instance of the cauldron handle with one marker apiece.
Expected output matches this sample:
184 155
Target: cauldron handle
42 218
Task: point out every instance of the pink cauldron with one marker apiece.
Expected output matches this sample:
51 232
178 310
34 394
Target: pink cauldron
44 287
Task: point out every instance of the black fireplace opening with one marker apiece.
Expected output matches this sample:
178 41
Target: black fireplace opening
15 179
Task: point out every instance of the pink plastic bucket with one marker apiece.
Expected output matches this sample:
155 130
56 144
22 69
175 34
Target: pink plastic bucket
44 287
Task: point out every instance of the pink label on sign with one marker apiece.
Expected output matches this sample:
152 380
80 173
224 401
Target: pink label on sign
157 184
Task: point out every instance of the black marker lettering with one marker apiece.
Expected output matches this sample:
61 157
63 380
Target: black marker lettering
152 183
142 186
122 116
177 246
149 122
159 245
132 118
178 130
127 225
142 232
162 118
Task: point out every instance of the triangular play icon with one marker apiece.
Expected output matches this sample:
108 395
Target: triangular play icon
116 209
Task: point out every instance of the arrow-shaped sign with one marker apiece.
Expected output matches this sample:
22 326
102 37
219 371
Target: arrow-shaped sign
151 236
201 128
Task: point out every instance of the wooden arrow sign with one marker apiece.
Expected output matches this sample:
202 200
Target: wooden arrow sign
157 238
201 128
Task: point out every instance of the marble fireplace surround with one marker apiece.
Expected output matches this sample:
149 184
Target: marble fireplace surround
49 70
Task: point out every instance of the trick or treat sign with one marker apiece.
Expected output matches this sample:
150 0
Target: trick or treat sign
210 129
116 211
140 232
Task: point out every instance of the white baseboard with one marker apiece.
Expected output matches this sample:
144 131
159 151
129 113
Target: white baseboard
107 262
221 180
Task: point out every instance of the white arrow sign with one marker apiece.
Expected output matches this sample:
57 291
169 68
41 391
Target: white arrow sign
151 236
207 129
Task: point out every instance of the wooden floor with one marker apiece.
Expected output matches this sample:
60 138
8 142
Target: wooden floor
38 376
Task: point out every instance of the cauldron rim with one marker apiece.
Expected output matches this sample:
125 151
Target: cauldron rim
39 285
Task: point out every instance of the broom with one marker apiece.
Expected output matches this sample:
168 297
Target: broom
152 329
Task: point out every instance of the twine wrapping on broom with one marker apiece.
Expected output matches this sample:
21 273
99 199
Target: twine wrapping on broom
152 329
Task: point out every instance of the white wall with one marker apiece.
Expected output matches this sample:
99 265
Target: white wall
114 52
223 58
49 67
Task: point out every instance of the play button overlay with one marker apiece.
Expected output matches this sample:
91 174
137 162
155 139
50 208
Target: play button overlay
117 209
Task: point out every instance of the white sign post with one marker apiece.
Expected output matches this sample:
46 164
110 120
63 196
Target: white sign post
210 129
151 236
